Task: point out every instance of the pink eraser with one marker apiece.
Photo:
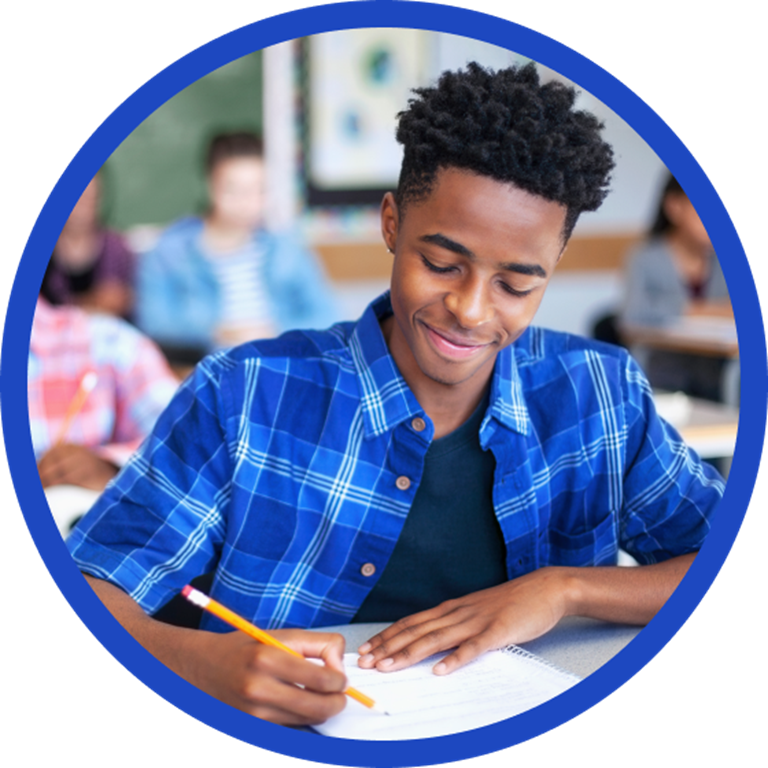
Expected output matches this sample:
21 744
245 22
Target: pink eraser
187 591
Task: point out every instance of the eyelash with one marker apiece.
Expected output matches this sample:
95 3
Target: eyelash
434 268
444 270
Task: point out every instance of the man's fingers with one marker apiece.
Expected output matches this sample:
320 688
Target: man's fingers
292 669
410 647
409 625
279 701
466 652
328 646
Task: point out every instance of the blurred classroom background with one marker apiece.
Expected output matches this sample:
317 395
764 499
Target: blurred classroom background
326 109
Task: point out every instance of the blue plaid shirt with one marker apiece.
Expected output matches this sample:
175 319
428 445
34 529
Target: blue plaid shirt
288 467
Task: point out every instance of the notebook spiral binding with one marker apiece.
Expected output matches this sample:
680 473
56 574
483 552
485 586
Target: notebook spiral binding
516 650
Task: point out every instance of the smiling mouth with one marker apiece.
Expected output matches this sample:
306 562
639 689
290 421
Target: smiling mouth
451 346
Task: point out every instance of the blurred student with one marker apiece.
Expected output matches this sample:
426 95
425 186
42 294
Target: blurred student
133 384
675 273
91 267
223 279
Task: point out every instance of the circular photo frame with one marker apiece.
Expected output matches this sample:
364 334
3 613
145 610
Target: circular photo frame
302 23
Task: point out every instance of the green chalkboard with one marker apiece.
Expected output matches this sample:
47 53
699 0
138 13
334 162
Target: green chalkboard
156 174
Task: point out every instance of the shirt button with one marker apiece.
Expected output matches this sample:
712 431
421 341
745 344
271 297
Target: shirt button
368 569
403 483
419 424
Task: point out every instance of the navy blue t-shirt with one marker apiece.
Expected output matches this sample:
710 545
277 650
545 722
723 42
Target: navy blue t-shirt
451 543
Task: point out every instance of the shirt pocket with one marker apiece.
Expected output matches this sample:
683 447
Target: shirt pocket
598 545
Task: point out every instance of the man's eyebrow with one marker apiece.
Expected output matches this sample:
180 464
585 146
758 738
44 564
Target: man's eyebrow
448 244
451 245
525 269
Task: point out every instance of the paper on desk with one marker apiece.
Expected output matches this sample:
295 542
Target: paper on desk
494 687
68 503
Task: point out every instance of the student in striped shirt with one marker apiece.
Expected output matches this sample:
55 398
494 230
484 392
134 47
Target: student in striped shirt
224 278
440 463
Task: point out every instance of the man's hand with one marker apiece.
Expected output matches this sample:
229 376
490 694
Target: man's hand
264 681
513 612
238 670
522 610
68 464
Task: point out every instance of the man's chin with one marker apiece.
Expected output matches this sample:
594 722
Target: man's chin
456 374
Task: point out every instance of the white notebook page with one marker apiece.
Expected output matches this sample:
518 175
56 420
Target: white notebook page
494 687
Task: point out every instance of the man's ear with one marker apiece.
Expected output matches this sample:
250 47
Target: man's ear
390 220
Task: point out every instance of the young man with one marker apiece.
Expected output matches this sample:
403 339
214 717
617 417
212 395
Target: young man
439 462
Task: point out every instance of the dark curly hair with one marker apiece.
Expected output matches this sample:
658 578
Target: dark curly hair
507 125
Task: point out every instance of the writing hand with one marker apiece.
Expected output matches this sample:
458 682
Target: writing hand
264 681
68 464
238 670
514 612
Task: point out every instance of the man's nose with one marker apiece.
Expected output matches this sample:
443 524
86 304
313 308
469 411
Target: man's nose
470 303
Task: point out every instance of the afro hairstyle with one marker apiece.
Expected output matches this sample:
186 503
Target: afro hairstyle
506 125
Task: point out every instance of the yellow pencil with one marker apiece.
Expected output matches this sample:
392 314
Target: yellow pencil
196 597
87 383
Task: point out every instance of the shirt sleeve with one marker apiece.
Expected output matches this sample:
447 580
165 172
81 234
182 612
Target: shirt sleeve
302 294
160 523
670 495
177 298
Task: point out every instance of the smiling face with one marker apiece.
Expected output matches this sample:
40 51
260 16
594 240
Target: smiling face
471 265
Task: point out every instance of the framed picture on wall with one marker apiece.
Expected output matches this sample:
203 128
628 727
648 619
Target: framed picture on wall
353 84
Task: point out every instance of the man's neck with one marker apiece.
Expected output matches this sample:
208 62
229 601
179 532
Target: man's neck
447 405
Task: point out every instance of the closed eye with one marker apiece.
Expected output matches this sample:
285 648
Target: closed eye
444 270
514 292
433 267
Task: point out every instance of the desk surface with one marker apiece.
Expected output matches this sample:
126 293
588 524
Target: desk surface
709 428
709 336
576 644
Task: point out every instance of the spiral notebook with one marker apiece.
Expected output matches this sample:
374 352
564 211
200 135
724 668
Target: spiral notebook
493 687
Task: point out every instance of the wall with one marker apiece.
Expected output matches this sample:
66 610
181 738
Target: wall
156 174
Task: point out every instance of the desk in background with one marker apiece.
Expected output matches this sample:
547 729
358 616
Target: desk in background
695 335
709 428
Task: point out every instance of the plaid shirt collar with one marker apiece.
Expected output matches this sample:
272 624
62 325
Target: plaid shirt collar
387 401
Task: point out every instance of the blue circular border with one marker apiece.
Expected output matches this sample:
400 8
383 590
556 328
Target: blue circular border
13 382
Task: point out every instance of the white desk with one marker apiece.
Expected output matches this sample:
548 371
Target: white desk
68 503
709 428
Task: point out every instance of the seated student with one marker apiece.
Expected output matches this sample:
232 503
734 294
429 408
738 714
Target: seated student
439 461
675 272
91 267
133 385
223 279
